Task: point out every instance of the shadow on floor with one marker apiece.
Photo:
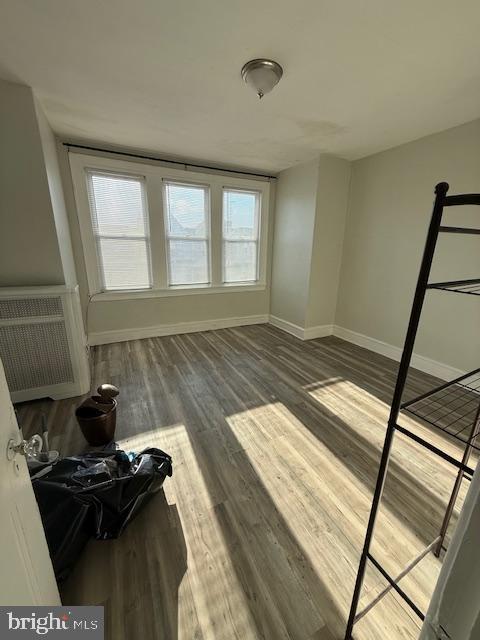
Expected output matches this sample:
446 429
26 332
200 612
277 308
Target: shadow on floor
137 577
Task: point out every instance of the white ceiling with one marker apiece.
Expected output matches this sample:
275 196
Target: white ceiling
164 75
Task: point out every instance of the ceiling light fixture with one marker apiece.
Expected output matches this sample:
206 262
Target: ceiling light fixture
262 75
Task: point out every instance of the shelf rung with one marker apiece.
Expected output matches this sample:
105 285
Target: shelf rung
411 565
428 445
395 586
463 198
464 230
470 286
454 283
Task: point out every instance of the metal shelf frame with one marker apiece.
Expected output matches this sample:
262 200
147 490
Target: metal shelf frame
453 408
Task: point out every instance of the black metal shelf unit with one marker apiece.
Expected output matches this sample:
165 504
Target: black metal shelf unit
453 408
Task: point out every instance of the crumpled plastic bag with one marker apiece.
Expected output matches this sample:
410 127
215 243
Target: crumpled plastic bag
94 495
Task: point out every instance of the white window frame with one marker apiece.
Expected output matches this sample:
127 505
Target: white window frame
141 179
208 229
258 220
155 176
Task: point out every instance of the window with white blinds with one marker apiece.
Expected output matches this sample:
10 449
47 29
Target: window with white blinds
151 231
241 223
119 215
187 221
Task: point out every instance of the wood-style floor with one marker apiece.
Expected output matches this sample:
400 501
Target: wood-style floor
275 444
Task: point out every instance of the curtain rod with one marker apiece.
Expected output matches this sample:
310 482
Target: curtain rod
183 164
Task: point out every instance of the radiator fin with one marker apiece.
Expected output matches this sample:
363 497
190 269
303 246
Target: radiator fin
30 308
35 355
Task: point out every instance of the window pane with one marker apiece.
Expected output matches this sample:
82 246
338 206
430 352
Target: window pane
120 224
117 205
186 211
240 261
124 263
240 217
188 262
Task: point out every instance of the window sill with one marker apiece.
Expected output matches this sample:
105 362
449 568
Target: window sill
178 291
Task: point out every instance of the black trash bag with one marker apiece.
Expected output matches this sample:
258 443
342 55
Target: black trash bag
94 495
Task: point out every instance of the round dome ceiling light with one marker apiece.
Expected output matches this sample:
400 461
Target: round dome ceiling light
262 75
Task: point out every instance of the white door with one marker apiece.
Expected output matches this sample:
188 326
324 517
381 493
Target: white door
26 572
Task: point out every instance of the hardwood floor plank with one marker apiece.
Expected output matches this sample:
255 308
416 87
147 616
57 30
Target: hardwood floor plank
276 444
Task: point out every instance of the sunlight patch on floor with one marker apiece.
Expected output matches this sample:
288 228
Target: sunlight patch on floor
218 596
307 479
211 589
289 484
335 399
321 384
159 437
211 574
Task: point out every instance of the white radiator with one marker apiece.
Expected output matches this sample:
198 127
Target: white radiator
42 343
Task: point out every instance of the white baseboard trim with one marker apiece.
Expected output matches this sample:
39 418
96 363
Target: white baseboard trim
427 365
289 327
122 335
320 331
308 333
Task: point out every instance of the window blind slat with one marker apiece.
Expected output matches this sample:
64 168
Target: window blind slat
120 225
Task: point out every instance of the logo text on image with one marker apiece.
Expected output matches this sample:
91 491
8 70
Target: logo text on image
61 622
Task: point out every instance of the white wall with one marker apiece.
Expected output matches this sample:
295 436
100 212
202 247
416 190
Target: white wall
390 207
122 315
49 149
330 217
310 214
293 241
29 251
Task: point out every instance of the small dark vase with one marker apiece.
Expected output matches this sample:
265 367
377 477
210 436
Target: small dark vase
97 416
